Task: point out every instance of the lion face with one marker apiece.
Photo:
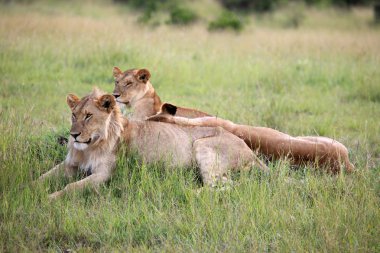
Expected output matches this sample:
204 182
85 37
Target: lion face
90 118
131 85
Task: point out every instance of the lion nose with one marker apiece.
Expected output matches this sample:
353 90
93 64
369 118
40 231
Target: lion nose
116 95
75 135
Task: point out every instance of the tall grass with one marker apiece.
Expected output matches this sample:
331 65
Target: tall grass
305 82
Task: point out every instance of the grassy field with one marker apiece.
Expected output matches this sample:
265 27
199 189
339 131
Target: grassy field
320 79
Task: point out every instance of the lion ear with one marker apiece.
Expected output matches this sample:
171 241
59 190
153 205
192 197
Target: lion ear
116 72
143 75
72 100
106 102
168 108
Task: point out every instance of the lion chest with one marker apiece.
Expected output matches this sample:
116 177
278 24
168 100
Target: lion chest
89 161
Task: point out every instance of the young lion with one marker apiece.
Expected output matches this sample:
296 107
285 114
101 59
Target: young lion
133 88
98 129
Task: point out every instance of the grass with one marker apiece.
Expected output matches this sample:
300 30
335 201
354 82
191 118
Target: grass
319 79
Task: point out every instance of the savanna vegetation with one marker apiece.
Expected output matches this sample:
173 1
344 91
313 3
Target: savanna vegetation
319 77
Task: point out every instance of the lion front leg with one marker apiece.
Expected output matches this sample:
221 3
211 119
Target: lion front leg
55 171
93 180
61 168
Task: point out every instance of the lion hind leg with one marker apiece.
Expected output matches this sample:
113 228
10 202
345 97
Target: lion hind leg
257 162
209 164
216 155
337 153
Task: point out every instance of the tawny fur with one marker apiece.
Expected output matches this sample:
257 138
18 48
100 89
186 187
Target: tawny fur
133 89
321 151
98 129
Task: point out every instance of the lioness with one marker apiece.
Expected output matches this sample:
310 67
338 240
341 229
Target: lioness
98 129
133 88
322 151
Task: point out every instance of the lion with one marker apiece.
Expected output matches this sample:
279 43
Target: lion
133 88
321 151
98 130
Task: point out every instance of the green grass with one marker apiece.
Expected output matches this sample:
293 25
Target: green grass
319 79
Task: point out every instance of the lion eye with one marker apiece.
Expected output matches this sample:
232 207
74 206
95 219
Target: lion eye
117 82
128 83
88 116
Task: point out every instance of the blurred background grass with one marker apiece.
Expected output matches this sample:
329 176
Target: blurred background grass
305 68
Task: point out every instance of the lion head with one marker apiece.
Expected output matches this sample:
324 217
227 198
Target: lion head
130 85
95 119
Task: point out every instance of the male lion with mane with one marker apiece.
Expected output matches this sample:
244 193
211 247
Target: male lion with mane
98 129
